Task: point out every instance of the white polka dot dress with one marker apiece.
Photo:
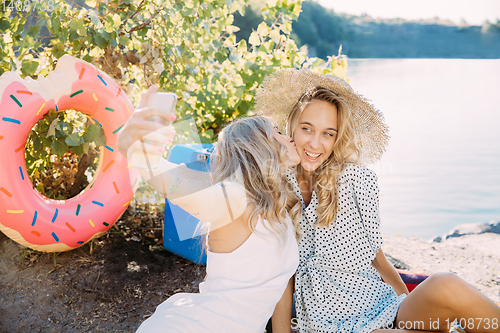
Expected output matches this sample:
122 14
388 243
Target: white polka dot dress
336 288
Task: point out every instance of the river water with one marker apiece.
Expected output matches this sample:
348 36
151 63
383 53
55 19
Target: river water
442 166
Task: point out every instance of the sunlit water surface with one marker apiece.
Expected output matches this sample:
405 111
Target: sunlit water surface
442 166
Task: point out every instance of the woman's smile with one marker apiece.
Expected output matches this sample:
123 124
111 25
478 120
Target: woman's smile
311 156
315 134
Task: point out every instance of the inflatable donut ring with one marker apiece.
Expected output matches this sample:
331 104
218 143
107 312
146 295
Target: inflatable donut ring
28 217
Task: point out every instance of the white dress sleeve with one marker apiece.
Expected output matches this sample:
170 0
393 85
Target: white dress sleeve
192 191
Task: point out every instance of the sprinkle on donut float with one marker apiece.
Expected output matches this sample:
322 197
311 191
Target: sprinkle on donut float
26 216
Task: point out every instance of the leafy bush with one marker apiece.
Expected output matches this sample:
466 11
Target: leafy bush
61 153
188 47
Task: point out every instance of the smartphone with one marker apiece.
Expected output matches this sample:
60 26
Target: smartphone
162 101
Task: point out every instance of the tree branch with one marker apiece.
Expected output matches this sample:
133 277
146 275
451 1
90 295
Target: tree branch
85 161
132 16
145 23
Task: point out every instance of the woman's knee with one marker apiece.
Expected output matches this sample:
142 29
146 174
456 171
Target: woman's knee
444 286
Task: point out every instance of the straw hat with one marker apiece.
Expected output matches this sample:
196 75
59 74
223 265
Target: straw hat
280 91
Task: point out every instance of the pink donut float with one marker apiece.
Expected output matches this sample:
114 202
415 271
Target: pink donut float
26 216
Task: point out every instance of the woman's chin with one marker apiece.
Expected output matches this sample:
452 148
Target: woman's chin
310 167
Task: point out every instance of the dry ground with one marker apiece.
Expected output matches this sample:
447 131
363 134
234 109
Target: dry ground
108 285
115 282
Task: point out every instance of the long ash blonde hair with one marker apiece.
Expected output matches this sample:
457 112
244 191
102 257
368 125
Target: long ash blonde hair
247 152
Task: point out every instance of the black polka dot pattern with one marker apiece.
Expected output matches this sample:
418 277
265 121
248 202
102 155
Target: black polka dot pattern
336 288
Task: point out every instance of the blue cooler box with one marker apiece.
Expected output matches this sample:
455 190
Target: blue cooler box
182 231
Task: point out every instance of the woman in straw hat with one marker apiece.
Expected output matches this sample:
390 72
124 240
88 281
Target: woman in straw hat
252 249
338 285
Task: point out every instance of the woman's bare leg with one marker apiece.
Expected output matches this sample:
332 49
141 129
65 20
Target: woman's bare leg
442 298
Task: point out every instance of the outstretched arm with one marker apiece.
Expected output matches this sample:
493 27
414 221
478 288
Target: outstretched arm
218 204
141 140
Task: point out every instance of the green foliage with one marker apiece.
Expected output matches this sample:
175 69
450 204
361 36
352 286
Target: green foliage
319 29
56 139
323 31
188 47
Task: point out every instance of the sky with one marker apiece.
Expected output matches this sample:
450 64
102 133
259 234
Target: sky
475 12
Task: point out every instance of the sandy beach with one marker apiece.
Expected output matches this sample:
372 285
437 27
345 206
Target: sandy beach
475 258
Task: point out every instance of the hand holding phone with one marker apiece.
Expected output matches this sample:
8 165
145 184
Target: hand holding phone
148 131
164 103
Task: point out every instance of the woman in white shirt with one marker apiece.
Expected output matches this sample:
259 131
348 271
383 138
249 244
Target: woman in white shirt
252 249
